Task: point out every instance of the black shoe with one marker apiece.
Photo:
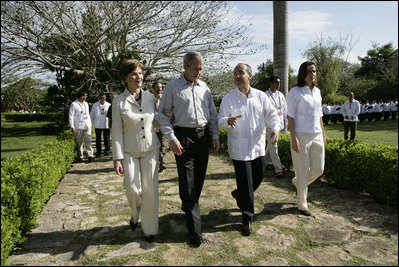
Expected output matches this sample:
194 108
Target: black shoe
247 228
196 240
133 226
161 169
279 175
234 194
106 153
90 159
149 238
79 160
305 212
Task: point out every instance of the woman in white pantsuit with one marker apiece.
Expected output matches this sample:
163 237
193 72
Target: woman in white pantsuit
135 148
307 132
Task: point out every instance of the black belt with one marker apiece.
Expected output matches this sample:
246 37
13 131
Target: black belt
191 129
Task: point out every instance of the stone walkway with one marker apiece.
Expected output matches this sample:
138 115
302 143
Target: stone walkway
86 223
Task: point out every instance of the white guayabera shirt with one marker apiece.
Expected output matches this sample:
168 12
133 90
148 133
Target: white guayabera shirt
248 139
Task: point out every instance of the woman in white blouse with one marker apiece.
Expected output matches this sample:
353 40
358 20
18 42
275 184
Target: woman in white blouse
307 132
135 148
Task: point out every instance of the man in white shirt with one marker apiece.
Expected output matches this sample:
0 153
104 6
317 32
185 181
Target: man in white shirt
350 111
277 99
98 115
79 120
245 112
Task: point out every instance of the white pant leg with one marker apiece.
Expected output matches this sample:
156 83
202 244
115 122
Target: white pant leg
149 183
132 184
87 137
272 153
79 142
308 164
141 184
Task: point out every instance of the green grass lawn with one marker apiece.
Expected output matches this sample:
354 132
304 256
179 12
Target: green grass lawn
374 132
19 137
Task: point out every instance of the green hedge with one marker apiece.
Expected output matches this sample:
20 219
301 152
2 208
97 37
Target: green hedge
27 117
27 182
353 165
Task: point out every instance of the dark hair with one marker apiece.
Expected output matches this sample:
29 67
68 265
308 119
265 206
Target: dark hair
273 78
82 93
155 83
303 72
128 65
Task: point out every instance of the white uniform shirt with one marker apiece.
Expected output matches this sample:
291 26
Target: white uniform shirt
247 140
277 99
304 105
79 117
351 110
394 105
326 109
98 115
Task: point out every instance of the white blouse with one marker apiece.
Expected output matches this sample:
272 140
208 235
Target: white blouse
247 140
304 106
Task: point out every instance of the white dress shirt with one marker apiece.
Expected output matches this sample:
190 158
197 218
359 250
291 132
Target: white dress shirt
79 117
277 99
304 105
351 109
247 140
98 115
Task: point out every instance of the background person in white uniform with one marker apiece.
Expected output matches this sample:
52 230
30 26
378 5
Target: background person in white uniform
80 123
307 132
277 99
350 111
98 115
135 148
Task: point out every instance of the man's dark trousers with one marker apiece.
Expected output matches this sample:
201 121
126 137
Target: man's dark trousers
191 168
352 125
106 134
249 175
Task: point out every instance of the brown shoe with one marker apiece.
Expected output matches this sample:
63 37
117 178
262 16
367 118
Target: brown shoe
247 228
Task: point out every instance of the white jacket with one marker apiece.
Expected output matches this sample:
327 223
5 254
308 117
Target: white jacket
133 126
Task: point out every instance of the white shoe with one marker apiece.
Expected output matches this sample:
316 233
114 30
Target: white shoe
294 181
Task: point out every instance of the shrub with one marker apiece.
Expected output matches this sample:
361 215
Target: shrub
353 165
27 182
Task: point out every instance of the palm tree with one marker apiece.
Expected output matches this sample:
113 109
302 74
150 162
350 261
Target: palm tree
280 43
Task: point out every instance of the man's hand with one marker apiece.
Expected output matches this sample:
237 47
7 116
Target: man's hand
176 147
118 167
232 121
274 137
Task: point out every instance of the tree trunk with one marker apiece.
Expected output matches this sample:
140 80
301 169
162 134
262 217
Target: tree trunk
280 43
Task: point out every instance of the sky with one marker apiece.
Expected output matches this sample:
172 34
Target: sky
367 22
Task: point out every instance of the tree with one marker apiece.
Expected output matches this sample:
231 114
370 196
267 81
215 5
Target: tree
331 58
89 39
377 61
265 70
280 43
27 94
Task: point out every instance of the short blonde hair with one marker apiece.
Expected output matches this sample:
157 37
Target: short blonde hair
128 65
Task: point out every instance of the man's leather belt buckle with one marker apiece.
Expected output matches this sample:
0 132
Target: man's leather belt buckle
199 129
